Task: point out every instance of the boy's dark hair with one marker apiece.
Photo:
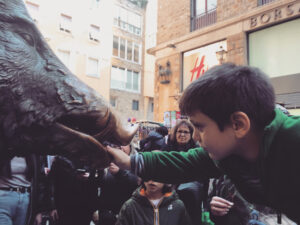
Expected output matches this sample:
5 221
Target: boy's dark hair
228 88
162 130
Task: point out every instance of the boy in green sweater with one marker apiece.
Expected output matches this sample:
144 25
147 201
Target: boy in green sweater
241 134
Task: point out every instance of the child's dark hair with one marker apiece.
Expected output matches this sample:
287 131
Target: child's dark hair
228 88
166 188
162 130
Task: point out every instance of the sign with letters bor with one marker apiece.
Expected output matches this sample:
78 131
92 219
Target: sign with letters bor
275 15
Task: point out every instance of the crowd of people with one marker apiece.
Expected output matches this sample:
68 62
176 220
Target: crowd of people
168 179
72 194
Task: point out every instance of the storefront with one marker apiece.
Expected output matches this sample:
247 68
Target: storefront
276 50
265 36
171 118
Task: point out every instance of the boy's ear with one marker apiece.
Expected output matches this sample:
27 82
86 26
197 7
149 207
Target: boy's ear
240 123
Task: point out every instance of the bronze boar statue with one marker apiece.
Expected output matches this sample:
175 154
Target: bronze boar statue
44 108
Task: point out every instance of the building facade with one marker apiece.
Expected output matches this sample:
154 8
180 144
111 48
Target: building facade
101 42
126 94
78 41
194 35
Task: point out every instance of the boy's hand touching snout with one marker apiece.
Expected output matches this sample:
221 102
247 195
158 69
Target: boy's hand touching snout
120 158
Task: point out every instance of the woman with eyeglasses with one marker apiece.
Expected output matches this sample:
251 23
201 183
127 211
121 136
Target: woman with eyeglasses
181 137
191 193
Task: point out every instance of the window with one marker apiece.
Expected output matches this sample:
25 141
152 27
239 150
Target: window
123 79
135 105
204 6
129 50
94 33
116 46
64 56
113 101
118 78
204 13
263 2
126 49
136 53
95 3
132 80
129 80
92 67
134 21
127 20
269 48
152 107
122 48
33 10
65 23
135 81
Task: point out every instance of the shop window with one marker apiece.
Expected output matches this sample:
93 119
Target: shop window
65 23
135 105
203 13
275 50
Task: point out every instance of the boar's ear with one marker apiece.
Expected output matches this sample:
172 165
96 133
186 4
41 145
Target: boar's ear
78 145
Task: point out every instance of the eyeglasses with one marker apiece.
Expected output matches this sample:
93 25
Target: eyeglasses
183 132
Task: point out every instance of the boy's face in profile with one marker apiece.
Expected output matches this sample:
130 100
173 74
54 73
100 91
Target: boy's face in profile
218 144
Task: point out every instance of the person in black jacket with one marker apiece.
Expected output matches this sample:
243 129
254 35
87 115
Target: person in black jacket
75 191
155 140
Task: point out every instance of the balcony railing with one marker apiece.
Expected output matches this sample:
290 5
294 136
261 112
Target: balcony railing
126 26
263 2
204 20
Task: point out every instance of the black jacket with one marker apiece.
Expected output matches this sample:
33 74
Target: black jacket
239 214
139 211
154 141
69 190
173 146
115 190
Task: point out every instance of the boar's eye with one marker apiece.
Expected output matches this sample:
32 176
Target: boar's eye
28 38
